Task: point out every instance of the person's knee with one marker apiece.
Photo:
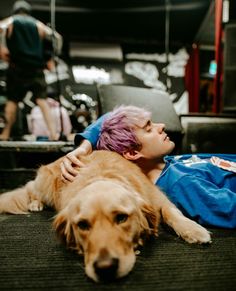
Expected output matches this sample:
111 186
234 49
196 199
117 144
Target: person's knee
11 106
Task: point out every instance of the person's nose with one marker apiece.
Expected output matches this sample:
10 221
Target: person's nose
160 127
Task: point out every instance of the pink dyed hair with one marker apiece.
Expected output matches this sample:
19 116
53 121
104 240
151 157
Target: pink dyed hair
117 132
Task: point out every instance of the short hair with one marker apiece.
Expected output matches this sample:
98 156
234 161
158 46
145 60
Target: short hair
21 6
117 131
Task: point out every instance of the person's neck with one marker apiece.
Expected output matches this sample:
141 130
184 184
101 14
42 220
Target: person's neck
151 168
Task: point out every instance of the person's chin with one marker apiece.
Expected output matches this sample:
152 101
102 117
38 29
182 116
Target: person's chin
172 146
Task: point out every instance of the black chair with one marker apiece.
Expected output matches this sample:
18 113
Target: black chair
209 133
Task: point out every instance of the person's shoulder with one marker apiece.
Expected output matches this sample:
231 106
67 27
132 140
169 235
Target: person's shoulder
5 22
42 26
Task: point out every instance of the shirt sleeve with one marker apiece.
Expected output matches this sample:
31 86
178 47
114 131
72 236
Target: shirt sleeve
205 202
92 132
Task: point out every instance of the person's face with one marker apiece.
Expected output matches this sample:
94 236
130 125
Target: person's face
154 140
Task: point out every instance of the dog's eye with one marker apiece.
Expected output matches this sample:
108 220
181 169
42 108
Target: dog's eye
83 224
121 218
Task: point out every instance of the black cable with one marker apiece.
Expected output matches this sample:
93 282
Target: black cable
53 27
167 40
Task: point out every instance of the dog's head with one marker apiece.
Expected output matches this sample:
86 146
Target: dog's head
106 221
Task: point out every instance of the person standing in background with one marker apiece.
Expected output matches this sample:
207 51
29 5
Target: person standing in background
21 45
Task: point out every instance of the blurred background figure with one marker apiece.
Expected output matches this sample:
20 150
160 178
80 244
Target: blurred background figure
21 45
38 127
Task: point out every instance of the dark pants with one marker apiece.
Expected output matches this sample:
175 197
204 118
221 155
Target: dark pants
22 80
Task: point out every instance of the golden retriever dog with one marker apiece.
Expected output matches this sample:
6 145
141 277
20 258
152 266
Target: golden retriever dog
105 213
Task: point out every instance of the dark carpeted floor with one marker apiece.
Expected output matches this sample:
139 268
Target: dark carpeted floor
32 258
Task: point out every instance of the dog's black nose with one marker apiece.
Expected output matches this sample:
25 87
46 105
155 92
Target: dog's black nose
106 269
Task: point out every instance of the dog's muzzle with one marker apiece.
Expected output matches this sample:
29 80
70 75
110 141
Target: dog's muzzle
106 266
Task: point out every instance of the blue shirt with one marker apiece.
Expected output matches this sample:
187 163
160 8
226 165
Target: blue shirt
91 133
201 190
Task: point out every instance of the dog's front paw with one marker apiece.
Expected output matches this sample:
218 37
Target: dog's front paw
192 232
35 206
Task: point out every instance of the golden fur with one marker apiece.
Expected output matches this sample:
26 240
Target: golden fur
105 213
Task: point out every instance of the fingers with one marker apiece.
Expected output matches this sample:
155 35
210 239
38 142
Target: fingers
72 159
71 164
63 179
67 176
68 167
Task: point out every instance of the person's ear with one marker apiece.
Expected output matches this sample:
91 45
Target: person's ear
132 155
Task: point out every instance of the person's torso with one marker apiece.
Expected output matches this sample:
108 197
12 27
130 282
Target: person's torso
197 166
202 187
25 44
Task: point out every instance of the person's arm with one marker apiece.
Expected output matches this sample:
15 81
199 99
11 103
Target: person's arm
72 160
47 33
4 52
86 142
91 133
204 201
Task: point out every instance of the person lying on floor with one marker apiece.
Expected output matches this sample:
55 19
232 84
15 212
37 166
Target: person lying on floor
202 186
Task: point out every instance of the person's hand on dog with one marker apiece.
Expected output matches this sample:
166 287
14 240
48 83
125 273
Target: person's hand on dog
71 162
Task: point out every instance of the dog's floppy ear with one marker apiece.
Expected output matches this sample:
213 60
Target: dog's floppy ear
149 217
64 229
152 218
